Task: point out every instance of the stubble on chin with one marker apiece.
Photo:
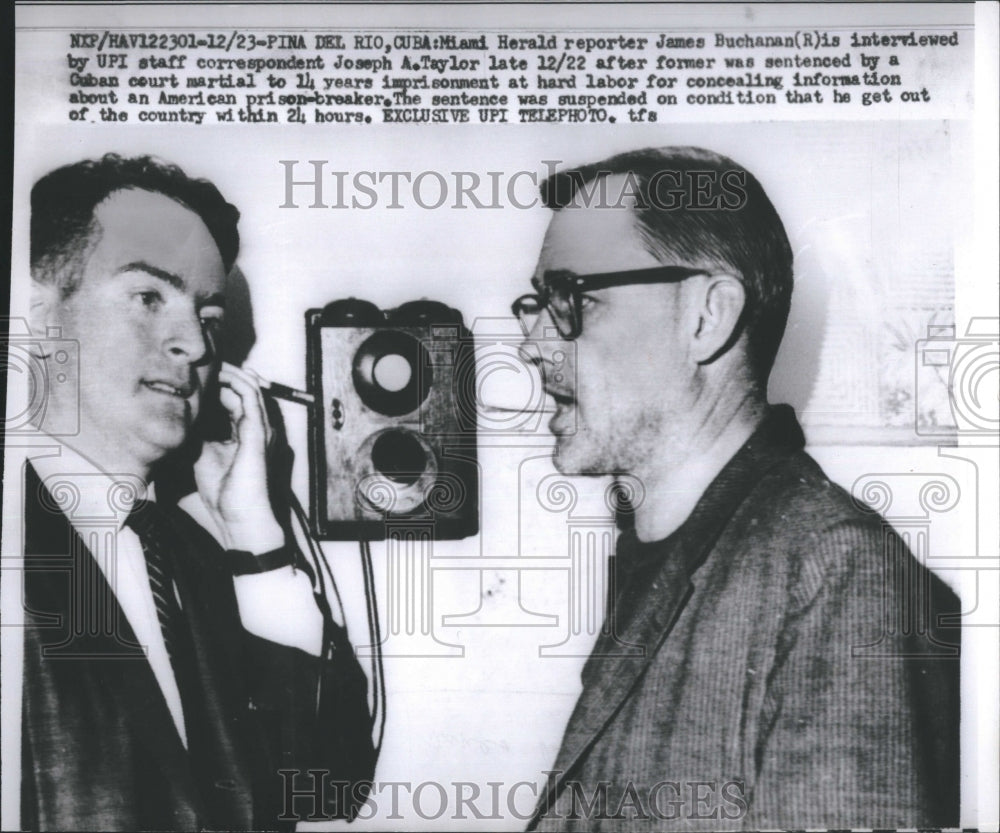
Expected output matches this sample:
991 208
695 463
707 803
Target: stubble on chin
572 457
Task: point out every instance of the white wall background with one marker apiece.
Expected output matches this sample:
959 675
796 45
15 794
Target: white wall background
869 207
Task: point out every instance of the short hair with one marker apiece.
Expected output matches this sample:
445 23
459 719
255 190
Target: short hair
728 224
64 230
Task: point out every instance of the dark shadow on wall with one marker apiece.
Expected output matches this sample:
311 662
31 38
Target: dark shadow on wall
796 367
238 333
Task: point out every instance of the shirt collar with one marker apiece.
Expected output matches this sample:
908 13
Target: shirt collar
82 489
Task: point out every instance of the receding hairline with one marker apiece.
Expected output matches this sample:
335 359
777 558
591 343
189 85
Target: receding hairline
74 264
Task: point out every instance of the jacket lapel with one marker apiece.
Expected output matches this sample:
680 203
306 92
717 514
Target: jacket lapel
220 760
608 681
53 548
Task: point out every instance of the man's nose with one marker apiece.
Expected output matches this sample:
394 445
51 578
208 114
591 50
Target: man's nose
186 339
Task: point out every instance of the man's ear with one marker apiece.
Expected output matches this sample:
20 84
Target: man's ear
719 317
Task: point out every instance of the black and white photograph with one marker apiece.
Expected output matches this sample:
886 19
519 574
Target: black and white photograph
502 417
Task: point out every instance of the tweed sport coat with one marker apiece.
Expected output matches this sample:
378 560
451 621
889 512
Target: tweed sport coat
796 667
99 748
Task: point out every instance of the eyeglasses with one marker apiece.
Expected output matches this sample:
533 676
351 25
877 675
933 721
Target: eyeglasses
562 294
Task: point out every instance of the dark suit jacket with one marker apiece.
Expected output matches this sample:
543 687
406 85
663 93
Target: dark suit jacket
99 748
794 668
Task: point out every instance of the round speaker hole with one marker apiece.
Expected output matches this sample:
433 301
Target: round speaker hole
399 456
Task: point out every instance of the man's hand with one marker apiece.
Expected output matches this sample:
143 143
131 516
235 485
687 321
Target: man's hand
232 476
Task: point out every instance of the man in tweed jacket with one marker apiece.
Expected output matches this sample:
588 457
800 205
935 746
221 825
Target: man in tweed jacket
773 655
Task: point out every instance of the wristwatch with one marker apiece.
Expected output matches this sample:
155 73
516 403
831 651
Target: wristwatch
244 563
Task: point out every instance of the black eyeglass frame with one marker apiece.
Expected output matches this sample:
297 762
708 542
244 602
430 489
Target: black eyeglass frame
574 285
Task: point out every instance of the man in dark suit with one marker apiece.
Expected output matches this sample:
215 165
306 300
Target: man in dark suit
773 655
172 678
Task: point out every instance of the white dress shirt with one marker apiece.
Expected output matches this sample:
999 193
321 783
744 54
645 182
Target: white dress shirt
277 605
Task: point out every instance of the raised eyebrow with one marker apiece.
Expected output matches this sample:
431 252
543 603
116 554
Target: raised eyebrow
216 299
175 281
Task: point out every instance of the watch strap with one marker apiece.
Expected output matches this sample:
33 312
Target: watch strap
244 563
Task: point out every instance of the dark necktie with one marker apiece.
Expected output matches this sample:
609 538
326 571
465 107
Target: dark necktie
153 529
162 545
